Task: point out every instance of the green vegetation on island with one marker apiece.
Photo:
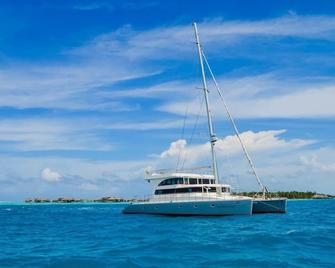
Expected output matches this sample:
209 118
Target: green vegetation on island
290 195
107 199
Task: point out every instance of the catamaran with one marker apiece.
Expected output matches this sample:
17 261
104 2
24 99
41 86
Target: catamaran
190 193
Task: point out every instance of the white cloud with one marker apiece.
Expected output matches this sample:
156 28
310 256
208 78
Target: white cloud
176 40
282 164
50 176
317 102
82 83
65 86
314 163
52 134
111 177
254 141
266 96
278 163
175 148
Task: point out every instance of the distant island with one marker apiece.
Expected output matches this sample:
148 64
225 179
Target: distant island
291 195
107 199
110 199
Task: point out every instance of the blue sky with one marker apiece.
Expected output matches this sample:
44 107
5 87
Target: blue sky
94 92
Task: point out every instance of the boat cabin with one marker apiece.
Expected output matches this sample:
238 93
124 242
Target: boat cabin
185 183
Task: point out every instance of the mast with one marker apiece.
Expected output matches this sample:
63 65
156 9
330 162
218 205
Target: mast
212 137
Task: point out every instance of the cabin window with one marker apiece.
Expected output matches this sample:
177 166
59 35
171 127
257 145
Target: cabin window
225 189
165 182
212 189
171 181
196 189
177 181
193 181
179 190
174 181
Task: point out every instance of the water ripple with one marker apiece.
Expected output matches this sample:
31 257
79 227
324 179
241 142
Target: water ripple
86 235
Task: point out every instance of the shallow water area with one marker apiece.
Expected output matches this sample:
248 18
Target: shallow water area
99 235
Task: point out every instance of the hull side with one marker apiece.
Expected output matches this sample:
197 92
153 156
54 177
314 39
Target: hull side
275 205
193 208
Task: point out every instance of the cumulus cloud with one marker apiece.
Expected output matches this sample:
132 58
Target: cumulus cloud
50 176
175 148
282 164
254 141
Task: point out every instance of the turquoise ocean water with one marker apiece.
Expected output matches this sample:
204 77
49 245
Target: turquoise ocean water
98 235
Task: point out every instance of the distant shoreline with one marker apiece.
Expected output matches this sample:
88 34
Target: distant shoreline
66 200
292 195
22 203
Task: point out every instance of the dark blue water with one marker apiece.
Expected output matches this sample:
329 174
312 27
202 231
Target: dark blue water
86 235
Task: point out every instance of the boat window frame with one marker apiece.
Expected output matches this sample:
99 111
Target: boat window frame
172 181
191 180
184 190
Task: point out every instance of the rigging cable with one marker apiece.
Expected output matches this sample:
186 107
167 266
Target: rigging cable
193 130
182 136
196 73
263 188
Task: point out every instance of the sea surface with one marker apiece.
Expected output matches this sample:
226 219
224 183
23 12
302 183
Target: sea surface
98 235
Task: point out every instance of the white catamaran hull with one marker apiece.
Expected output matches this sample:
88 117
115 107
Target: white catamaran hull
193 208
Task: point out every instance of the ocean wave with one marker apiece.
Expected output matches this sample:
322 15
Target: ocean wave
101 236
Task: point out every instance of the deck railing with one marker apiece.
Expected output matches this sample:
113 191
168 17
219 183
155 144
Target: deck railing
187 197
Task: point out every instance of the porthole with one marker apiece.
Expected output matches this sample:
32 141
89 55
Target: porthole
180 206
195 206
212 205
